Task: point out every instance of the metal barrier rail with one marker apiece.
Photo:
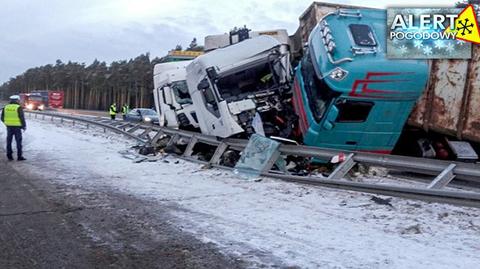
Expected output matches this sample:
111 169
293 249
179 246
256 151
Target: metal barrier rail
444 171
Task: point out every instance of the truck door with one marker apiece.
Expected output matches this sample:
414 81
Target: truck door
344 124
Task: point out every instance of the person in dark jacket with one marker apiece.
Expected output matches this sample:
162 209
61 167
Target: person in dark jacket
13 117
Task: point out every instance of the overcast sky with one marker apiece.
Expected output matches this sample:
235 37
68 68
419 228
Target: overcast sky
38 32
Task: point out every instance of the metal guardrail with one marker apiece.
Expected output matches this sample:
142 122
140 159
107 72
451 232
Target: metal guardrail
444 171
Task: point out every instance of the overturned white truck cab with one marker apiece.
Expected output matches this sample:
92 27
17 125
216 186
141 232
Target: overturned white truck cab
172 99
229 86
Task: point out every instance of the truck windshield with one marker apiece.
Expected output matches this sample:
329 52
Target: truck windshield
239 85
318 93
180 90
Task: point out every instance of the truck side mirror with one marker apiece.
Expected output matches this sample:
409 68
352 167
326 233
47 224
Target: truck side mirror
331 118
212 73
203 84
333 113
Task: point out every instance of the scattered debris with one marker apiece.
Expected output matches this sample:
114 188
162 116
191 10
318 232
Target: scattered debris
207 166
147 150
414 229
382 201
140 159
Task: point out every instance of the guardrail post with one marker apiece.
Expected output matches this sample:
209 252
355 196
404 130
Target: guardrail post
218 153
157 137
191 144
173 140
43 117
343 168
443 178
145 133
269 165
35 115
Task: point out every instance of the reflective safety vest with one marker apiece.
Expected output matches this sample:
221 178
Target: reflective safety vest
10 115
125 110
113 110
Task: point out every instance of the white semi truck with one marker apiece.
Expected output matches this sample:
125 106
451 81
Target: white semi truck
172 99
230 86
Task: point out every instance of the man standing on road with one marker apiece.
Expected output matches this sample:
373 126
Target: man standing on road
113 111
125 109
14 119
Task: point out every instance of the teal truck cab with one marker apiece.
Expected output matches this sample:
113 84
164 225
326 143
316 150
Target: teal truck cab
347 94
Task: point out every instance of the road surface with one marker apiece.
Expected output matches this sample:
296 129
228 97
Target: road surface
60 226
81 199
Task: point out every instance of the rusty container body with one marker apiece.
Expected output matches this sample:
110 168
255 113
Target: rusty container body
451 103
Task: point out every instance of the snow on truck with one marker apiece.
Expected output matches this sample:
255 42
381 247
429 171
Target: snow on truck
172 99
230 85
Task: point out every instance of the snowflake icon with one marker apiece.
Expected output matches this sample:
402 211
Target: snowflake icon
403 49
461 42
439 44
449 47
418 44
463 27
427 50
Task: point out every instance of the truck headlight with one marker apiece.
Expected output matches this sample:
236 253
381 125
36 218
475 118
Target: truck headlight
331 46
147 119
30 106
41 107
338 74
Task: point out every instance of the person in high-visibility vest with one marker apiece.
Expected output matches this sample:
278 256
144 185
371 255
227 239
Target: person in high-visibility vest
125 109
14 119
113 111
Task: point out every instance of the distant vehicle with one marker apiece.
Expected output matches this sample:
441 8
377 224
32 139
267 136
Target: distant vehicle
32 101
55 99
146 115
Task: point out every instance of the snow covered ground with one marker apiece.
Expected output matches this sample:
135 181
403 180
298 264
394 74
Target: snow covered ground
270 223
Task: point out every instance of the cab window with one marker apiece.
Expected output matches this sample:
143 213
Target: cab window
318 93
353 111
362 35
210 101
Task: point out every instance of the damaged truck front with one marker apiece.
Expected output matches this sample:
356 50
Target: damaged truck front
231 86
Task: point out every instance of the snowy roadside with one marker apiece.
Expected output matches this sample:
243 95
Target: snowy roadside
270 222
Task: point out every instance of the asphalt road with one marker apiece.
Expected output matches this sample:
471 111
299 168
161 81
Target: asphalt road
56 226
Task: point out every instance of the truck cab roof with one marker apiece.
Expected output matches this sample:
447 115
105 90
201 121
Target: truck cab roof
165 73
230 57
348 49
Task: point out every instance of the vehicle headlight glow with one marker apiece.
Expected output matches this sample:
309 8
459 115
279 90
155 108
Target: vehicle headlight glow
41 107
338 74
147 119
30 106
